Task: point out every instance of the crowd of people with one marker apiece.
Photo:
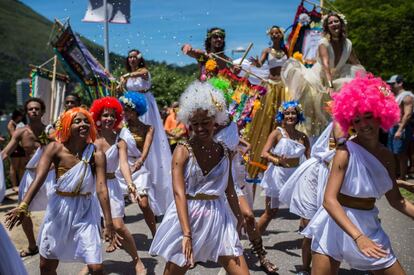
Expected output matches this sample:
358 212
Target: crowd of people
327 165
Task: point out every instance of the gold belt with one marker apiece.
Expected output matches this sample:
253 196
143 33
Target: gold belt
202 197
356 203
110 176
289 163
71 194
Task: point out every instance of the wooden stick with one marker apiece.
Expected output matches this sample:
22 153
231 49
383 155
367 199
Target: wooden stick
246 52
53 91
241 68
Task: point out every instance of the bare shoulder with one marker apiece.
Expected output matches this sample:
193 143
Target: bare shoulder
341 155
408 99
386 157
99 156
99 143
180 155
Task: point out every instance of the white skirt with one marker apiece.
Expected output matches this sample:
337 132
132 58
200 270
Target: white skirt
71 230
116 198
213 231
329 239
273 180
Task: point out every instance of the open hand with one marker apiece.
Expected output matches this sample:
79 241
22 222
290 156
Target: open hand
370 248
188 251
111 236
13 218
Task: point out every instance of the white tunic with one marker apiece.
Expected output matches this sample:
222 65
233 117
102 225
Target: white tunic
213 230
71 227
303 192
141 178
39 202
275 176
158 161
365 177
116 194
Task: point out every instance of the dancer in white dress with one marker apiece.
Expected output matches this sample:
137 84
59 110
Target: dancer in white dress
198 225
30 137
285 148
138 79
229 135
347 227
138 140
71 231
303 191
336 64
107 113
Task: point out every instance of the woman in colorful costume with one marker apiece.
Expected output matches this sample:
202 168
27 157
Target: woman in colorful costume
272 58
138 79
285 149
198 225
138 139
363 170
312 87
107 113
71 227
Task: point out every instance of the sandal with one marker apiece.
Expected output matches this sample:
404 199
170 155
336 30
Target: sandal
29 252
267 266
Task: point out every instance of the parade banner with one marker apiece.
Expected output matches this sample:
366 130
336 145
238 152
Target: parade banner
80 63
119 11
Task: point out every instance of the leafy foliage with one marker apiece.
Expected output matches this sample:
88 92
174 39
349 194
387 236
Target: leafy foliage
382 35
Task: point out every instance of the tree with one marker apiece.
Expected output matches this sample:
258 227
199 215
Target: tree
382 35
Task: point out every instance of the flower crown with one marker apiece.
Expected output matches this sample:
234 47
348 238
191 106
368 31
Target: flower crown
282 30
220 32
127 101
288 104
340 15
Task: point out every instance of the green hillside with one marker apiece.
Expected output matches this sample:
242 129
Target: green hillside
24 35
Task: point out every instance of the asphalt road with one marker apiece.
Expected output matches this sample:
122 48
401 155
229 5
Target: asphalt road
281 241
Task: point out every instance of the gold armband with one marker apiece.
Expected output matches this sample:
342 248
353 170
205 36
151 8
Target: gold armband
24 209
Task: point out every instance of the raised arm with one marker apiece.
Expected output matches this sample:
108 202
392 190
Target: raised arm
335 210
187 49
15 215
180 157
259 62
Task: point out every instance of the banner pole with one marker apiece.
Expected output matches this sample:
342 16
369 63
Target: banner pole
106 36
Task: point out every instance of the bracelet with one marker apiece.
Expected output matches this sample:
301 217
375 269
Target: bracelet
330 84
187 236
24 209
359 236
130 187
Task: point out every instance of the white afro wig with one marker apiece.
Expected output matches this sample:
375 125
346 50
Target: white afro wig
202 95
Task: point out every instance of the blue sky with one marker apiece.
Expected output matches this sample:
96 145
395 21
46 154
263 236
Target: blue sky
159 27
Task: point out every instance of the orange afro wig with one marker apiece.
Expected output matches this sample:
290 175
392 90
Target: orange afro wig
62 133
99 105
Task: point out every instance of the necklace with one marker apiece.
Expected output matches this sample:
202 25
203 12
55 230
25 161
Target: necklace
278 54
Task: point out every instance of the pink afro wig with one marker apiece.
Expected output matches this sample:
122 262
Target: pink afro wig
365 94
108 102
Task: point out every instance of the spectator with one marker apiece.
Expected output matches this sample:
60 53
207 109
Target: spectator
399 136
175 130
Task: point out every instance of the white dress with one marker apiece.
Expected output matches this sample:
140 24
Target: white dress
39 202
213 230
365 177
158 161
116 194
275 176
71 227
141 178
10 261
308 85
303 192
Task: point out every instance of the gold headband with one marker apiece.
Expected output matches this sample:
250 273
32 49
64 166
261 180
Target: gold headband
219 106
218 32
